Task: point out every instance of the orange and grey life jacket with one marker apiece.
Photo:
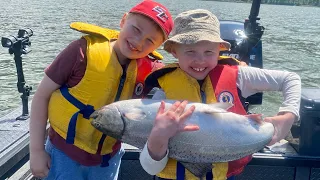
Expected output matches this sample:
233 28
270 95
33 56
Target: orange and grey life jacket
218 86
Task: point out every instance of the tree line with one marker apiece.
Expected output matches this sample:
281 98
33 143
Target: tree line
283 2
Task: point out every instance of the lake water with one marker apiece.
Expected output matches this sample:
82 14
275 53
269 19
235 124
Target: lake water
291 40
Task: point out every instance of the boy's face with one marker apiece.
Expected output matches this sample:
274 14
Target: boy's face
197 59
139 36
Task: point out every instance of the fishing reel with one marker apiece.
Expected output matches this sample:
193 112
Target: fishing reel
18 45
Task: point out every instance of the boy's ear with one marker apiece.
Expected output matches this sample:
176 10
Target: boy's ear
123 19
174 53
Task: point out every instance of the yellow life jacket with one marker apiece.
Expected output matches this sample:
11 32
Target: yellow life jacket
97 88
189 89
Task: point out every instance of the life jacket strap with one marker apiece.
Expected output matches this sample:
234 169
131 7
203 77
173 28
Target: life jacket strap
85 110
180 171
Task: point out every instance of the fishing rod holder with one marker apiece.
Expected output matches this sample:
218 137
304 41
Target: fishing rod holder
18 45
252 27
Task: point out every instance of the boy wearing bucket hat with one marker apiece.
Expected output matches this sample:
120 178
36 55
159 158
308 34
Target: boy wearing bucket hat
198 77
102 67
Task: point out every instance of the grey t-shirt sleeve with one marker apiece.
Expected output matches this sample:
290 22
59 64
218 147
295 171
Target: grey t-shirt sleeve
252 80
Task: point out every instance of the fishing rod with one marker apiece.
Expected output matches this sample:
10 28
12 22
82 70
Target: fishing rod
18 45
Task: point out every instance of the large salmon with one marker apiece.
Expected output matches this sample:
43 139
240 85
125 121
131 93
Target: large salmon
223 136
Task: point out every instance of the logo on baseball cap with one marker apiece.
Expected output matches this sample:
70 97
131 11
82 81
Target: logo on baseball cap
157 12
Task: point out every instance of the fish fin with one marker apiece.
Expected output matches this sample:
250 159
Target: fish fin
135 114
198 169
217 108
221 105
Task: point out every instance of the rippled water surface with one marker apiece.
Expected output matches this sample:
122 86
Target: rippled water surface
291 40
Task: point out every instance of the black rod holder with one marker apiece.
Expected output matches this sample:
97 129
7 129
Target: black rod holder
18 45
252 27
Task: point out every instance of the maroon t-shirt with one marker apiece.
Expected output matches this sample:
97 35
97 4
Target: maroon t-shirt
68 68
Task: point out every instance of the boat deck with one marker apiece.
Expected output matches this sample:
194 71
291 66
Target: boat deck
14 141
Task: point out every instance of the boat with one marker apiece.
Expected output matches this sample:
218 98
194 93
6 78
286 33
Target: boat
295 158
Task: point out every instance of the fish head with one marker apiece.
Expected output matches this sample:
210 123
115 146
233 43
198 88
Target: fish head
109 121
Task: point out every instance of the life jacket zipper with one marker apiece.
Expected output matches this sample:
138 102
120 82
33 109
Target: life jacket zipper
120 88
203 96
121 84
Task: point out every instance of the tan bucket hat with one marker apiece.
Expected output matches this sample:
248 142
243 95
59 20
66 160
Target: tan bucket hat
193 26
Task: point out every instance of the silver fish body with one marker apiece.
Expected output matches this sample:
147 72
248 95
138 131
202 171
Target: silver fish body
223 136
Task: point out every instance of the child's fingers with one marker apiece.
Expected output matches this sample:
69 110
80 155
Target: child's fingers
46 172
181 107
269 119
172 115
191 128
40 175
49 163
161 108
186 114
175 106
272 142
276 131
255 117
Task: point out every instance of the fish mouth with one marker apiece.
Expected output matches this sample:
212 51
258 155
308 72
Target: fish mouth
97 125
110 121
95 115
95 120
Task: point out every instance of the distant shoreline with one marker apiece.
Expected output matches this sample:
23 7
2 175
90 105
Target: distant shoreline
315 3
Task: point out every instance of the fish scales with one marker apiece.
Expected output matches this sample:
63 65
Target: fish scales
223 136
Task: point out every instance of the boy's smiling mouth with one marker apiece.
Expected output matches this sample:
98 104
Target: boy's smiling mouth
132 47
198 69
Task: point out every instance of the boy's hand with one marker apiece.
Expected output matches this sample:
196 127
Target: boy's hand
40 162
282 124
255 117
167 124
242 63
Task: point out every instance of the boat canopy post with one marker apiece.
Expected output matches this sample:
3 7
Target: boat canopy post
18 45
